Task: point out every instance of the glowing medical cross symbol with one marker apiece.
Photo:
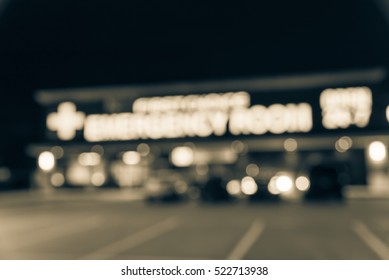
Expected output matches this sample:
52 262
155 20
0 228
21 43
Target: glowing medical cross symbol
66 121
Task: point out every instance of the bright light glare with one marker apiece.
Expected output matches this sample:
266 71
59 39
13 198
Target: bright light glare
98 179
249 187
182 156
131 158
233 187
46 161
272 188
89 159
302 183
377 151
57 179
284 183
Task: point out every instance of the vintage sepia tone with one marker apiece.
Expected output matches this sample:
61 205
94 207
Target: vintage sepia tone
194 130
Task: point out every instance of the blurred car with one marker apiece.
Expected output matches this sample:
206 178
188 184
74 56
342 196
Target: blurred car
214 190
326 183
166 189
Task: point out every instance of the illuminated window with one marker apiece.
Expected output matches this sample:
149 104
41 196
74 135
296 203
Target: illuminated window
182 156
342 107
89 159
131 158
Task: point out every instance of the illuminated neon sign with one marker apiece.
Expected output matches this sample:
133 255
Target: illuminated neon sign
66 121
218 114
343 107
276 119
180 116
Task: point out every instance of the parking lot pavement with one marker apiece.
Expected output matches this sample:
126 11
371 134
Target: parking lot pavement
35 227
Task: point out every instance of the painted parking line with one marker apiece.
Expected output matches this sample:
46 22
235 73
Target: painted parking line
133 240
53 232
248 239
371 240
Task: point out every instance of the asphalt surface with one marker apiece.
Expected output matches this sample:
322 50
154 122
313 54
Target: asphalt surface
82 226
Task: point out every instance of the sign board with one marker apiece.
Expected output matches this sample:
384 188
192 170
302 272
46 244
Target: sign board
220 114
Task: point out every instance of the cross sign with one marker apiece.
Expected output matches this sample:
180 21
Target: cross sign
66 121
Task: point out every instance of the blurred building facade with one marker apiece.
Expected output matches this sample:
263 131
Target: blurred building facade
256 128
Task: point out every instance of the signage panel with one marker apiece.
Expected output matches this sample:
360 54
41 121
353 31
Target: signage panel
221 114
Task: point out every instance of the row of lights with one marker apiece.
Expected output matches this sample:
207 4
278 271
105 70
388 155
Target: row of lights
97 179
278 184
377 150
184 156
47 162
47 159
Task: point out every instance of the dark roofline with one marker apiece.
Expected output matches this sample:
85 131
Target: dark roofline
275 83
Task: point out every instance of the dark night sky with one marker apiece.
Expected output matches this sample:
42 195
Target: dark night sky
73 43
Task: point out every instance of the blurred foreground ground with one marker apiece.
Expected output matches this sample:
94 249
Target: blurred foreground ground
110 225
